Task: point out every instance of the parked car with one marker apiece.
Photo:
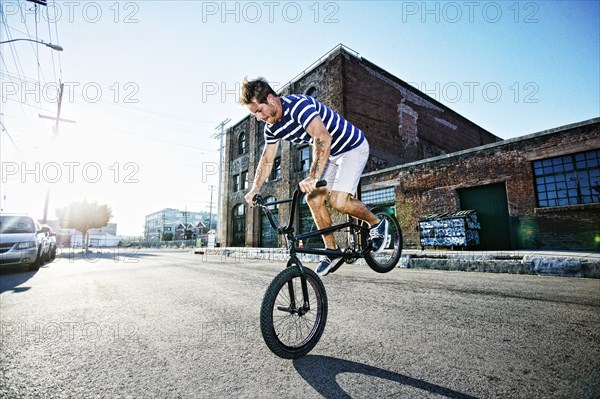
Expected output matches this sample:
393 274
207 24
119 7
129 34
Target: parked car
22 241
50 254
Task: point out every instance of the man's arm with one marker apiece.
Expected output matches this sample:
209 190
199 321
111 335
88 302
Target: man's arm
321 149
263 170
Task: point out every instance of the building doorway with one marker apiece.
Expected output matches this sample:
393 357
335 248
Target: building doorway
491 204
239 226
268 234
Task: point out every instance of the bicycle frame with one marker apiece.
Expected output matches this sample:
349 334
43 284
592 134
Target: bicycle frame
353 252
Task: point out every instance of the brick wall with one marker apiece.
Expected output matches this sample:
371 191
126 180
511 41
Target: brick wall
401 124
430 186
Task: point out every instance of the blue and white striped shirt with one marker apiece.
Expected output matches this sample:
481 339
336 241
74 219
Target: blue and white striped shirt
297 113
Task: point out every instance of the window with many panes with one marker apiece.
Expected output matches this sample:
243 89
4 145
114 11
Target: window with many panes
304 159
236 183
312 92
568 179
244 180
242 143
276 171
379 196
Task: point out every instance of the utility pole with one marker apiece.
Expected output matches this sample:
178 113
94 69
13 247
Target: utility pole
220 135
54 137
211 187
185 221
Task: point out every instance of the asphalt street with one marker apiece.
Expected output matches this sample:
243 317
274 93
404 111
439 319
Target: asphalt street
173 324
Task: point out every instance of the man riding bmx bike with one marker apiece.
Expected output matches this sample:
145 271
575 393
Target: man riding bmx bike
339 154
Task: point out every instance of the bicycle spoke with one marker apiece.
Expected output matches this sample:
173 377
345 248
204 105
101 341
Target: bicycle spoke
292 329
388 258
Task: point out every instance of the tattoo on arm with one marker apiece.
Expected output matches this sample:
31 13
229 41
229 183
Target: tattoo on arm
262 173
318 155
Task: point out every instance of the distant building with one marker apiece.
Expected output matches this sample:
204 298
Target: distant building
95 239
175 223
105 236
110 228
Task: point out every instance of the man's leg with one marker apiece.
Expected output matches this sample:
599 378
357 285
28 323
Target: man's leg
345 203
316 203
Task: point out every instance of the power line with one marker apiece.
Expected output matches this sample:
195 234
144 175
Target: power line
33 47
15 55
132 133
57 41
10 137
143 114
52 52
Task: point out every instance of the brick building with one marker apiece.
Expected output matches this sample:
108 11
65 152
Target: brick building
401 124
540 191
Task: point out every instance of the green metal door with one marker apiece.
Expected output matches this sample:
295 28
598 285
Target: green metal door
491 205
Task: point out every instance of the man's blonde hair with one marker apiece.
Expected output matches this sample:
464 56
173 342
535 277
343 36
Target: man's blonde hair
257 89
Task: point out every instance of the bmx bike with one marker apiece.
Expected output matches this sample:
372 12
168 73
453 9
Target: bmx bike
294 308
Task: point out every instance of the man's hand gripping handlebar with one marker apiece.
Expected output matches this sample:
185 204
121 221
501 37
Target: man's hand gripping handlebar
258 200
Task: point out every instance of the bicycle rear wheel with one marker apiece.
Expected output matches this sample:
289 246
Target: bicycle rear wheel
388 258
288 328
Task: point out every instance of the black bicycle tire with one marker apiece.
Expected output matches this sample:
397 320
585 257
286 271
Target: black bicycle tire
266 313
393 262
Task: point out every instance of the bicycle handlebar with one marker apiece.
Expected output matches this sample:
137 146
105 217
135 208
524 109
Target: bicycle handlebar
259 201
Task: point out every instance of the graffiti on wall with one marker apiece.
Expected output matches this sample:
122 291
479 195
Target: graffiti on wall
457 229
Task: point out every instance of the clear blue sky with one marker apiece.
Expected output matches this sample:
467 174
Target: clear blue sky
149 81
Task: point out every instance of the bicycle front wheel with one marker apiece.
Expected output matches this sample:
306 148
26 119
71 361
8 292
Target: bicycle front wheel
290 327
388 258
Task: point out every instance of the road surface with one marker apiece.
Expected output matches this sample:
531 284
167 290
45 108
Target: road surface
172 324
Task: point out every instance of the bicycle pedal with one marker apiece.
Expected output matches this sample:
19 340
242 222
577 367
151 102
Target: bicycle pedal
336 266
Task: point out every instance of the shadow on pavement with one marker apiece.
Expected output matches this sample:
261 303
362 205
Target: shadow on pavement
321 371
591 388
11 281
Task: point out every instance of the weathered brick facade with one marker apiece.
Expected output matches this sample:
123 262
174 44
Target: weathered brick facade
401 124
432 186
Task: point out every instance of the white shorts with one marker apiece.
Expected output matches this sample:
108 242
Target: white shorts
343 171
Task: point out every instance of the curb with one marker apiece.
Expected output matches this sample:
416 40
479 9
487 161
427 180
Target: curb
542 265
586 265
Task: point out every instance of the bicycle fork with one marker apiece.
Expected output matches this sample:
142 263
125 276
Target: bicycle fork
293 308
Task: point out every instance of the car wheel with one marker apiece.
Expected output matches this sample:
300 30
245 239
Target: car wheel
38 261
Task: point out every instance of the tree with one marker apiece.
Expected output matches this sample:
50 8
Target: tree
83 216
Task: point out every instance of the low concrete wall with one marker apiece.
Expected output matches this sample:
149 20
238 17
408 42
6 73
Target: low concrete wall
547 264
539 264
